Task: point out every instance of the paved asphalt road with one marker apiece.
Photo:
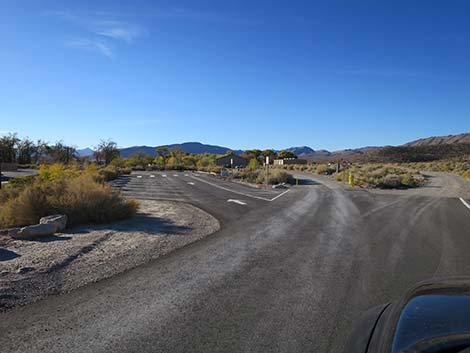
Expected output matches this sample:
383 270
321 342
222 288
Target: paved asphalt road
288 275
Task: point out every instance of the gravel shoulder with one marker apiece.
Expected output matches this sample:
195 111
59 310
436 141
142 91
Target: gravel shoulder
438 184
30 270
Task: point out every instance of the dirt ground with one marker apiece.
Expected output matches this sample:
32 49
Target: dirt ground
30 270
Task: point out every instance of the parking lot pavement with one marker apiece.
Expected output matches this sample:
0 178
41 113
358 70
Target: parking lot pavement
20 173
267 194
151 186
185 186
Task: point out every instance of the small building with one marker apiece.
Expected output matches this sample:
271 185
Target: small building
287 161
231 161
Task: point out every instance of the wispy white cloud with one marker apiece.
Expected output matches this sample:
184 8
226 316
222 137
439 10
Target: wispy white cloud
100 28
91 45
117 30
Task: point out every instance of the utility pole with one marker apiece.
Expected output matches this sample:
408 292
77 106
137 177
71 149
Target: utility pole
267 172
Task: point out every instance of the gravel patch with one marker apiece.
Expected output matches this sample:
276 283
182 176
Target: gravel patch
30 270
437 184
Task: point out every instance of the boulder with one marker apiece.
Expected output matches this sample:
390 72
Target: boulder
59 221
36 231
13 231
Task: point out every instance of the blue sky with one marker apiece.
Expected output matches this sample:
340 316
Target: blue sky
242 74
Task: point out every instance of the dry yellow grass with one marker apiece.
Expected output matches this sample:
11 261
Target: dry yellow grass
60 190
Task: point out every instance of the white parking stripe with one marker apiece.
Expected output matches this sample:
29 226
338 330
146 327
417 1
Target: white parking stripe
175 175
236 201
240 193
465 203
164 175
190 183
152 176
274 198
139 176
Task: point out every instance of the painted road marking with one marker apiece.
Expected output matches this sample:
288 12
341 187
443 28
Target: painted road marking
190 183
139 176
274 198
175 174
465 203
241 193
152 176
164 175
186 175
236 201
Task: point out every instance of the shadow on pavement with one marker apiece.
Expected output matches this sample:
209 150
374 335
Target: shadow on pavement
305 182
6 255
139 223
52 238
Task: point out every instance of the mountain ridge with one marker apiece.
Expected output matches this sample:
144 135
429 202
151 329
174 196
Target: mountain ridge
301 151
440 140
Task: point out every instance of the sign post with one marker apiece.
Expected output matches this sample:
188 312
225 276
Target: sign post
267 172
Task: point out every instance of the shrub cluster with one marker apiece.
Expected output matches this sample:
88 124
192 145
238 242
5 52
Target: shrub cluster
459 166
258 176
81 195
383 176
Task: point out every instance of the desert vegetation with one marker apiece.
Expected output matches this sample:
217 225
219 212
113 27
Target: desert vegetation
368 175
258 176
382 176
79 193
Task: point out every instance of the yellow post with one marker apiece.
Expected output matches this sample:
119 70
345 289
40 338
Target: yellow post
351 179
296 181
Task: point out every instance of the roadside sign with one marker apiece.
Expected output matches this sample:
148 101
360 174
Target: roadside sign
345 164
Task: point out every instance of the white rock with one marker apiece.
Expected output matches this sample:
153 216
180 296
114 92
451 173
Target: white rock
58 220
36 231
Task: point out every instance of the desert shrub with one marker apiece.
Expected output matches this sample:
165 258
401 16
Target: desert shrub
325 169
275 176
253 164
81 198
390 181
342 176
58 171
19 183
411 181
126 170
109 173
8 192
247 175
379 175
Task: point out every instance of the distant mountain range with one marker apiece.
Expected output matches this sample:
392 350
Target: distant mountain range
440 140
301 151
188 147
85 152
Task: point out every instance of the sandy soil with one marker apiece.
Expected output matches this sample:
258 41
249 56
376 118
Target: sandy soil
30 270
